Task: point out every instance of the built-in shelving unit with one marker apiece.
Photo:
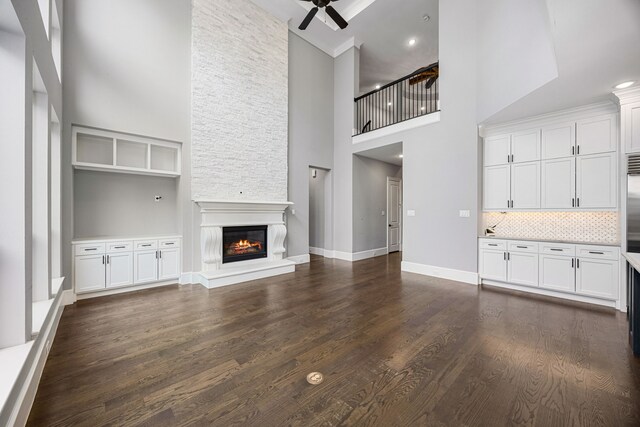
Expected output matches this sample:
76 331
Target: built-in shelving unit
97 149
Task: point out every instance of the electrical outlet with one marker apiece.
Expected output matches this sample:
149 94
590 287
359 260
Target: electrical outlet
411 212
382 213
293 211
465 214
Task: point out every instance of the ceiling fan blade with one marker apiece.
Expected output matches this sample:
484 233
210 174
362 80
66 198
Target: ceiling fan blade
308 18
336 17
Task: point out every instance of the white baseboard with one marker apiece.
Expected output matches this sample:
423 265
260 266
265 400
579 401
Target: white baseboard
68 297
124 289
441 272
349 256
186 278
26 394
300 259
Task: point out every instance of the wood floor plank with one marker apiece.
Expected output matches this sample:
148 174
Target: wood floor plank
396 349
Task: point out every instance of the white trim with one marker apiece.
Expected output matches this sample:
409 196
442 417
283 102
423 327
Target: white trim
568 115
68 297
123 290
550 293
27 392
441 272
349 256
627 96
372 253
231 276
300 259
352 42
425 120
186 278
319 251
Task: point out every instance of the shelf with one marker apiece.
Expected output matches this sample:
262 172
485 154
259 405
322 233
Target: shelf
108 151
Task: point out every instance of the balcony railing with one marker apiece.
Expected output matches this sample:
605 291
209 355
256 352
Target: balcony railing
409 97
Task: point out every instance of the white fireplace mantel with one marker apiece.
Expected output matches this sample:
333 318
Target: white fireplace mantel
217 214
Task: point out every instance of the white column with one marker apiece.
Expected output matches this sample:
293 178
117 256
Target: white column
277 234
211 244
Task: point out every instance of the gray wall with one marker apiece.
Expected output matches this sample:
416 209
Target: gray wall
369 200
113 204
310 133
126 67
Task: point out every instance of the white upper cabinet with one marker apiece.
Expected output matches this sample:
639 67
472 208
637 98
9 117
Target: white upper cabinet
525 185
497 150
631 127
558 141
525 146
596 135
596 181
558 183
497 191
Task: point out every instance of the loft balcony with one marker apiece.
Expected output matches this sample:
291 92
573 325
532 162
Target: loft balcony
412 96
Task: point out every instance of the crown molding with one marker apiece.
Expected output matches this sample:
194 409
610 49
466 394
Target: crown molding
626 96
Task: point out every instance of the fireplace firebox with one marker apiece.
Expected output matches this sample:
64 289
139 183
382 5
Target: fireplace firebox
244 243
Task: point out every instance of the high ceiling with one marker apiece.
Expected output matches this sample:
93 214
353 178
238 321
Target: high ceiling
384 27
388 153
597 45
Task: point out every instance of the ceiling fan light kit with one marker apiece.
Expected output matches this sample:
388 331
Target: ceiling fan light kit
333 14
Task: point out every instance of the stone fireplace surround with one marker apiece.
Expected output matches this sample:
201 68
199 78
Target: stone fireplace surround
217 214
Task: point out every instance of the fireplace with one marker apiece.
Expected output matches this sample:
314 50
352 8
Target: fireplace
244 243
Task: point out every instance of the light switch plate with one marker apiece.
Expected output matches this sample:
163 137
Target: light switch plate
411 212
465 214
382 213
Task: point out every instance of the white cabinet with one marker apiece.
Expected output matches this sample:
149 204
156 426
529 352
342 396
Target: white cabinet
104 265
89 272
558 183
596 135
145 268
525 185
497 187
525 146
493 264
119 269
596 277
558 141
557 272
596 181
631 126
522 268
497 150
169 264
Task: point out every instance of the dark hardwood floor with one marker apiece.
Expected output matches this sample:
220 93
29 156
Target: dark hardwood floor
396 349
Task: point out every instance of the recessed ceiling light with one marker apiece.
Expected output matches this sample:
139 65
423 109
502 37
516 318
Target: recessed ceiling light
423 108
412 42
400 155
390 104
377 86
624 85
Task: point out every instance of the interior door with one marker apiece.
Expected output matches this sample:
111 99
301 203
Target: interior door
394 213
119 269
559 183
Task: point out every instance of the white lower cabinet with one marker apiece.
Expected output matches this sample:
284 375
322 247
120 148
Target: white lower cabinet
580 270
104 265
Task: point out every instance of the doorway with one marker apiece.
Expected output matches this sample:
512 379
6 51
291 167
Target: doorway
394 214
320 229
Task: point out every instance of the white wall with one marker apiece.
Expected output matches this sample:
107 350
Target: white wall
127 68
369 201
239 102
113 204
515 52
310 134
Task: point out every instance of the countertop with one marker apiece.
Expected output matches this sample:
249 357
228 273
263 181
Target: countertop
633 258
124 238
569 242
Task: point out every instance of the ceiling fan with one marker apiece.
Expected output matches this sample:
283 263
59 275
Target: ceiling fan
330 11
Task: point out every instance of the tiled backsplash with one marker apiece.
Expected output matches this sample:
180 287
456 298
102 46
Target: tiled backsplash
594 227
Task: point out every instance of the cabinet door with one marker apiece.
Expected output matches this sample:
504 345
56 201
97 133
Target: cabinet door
597 278
557 273
523 268
169 264
497 150
631 127
596 135
89 273
558 183
525 185
497 187
145 266
525 146
558 141
493 265
119 269
596 181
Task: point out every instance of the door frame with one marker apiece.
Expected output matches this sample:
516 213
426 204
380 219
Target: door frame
400 225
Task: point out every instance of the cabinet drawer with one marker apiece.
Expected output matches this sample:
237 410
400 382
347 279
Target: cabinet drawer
558 249
493 244
115 247
516 246
597 252
169 243
145 245
89 248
